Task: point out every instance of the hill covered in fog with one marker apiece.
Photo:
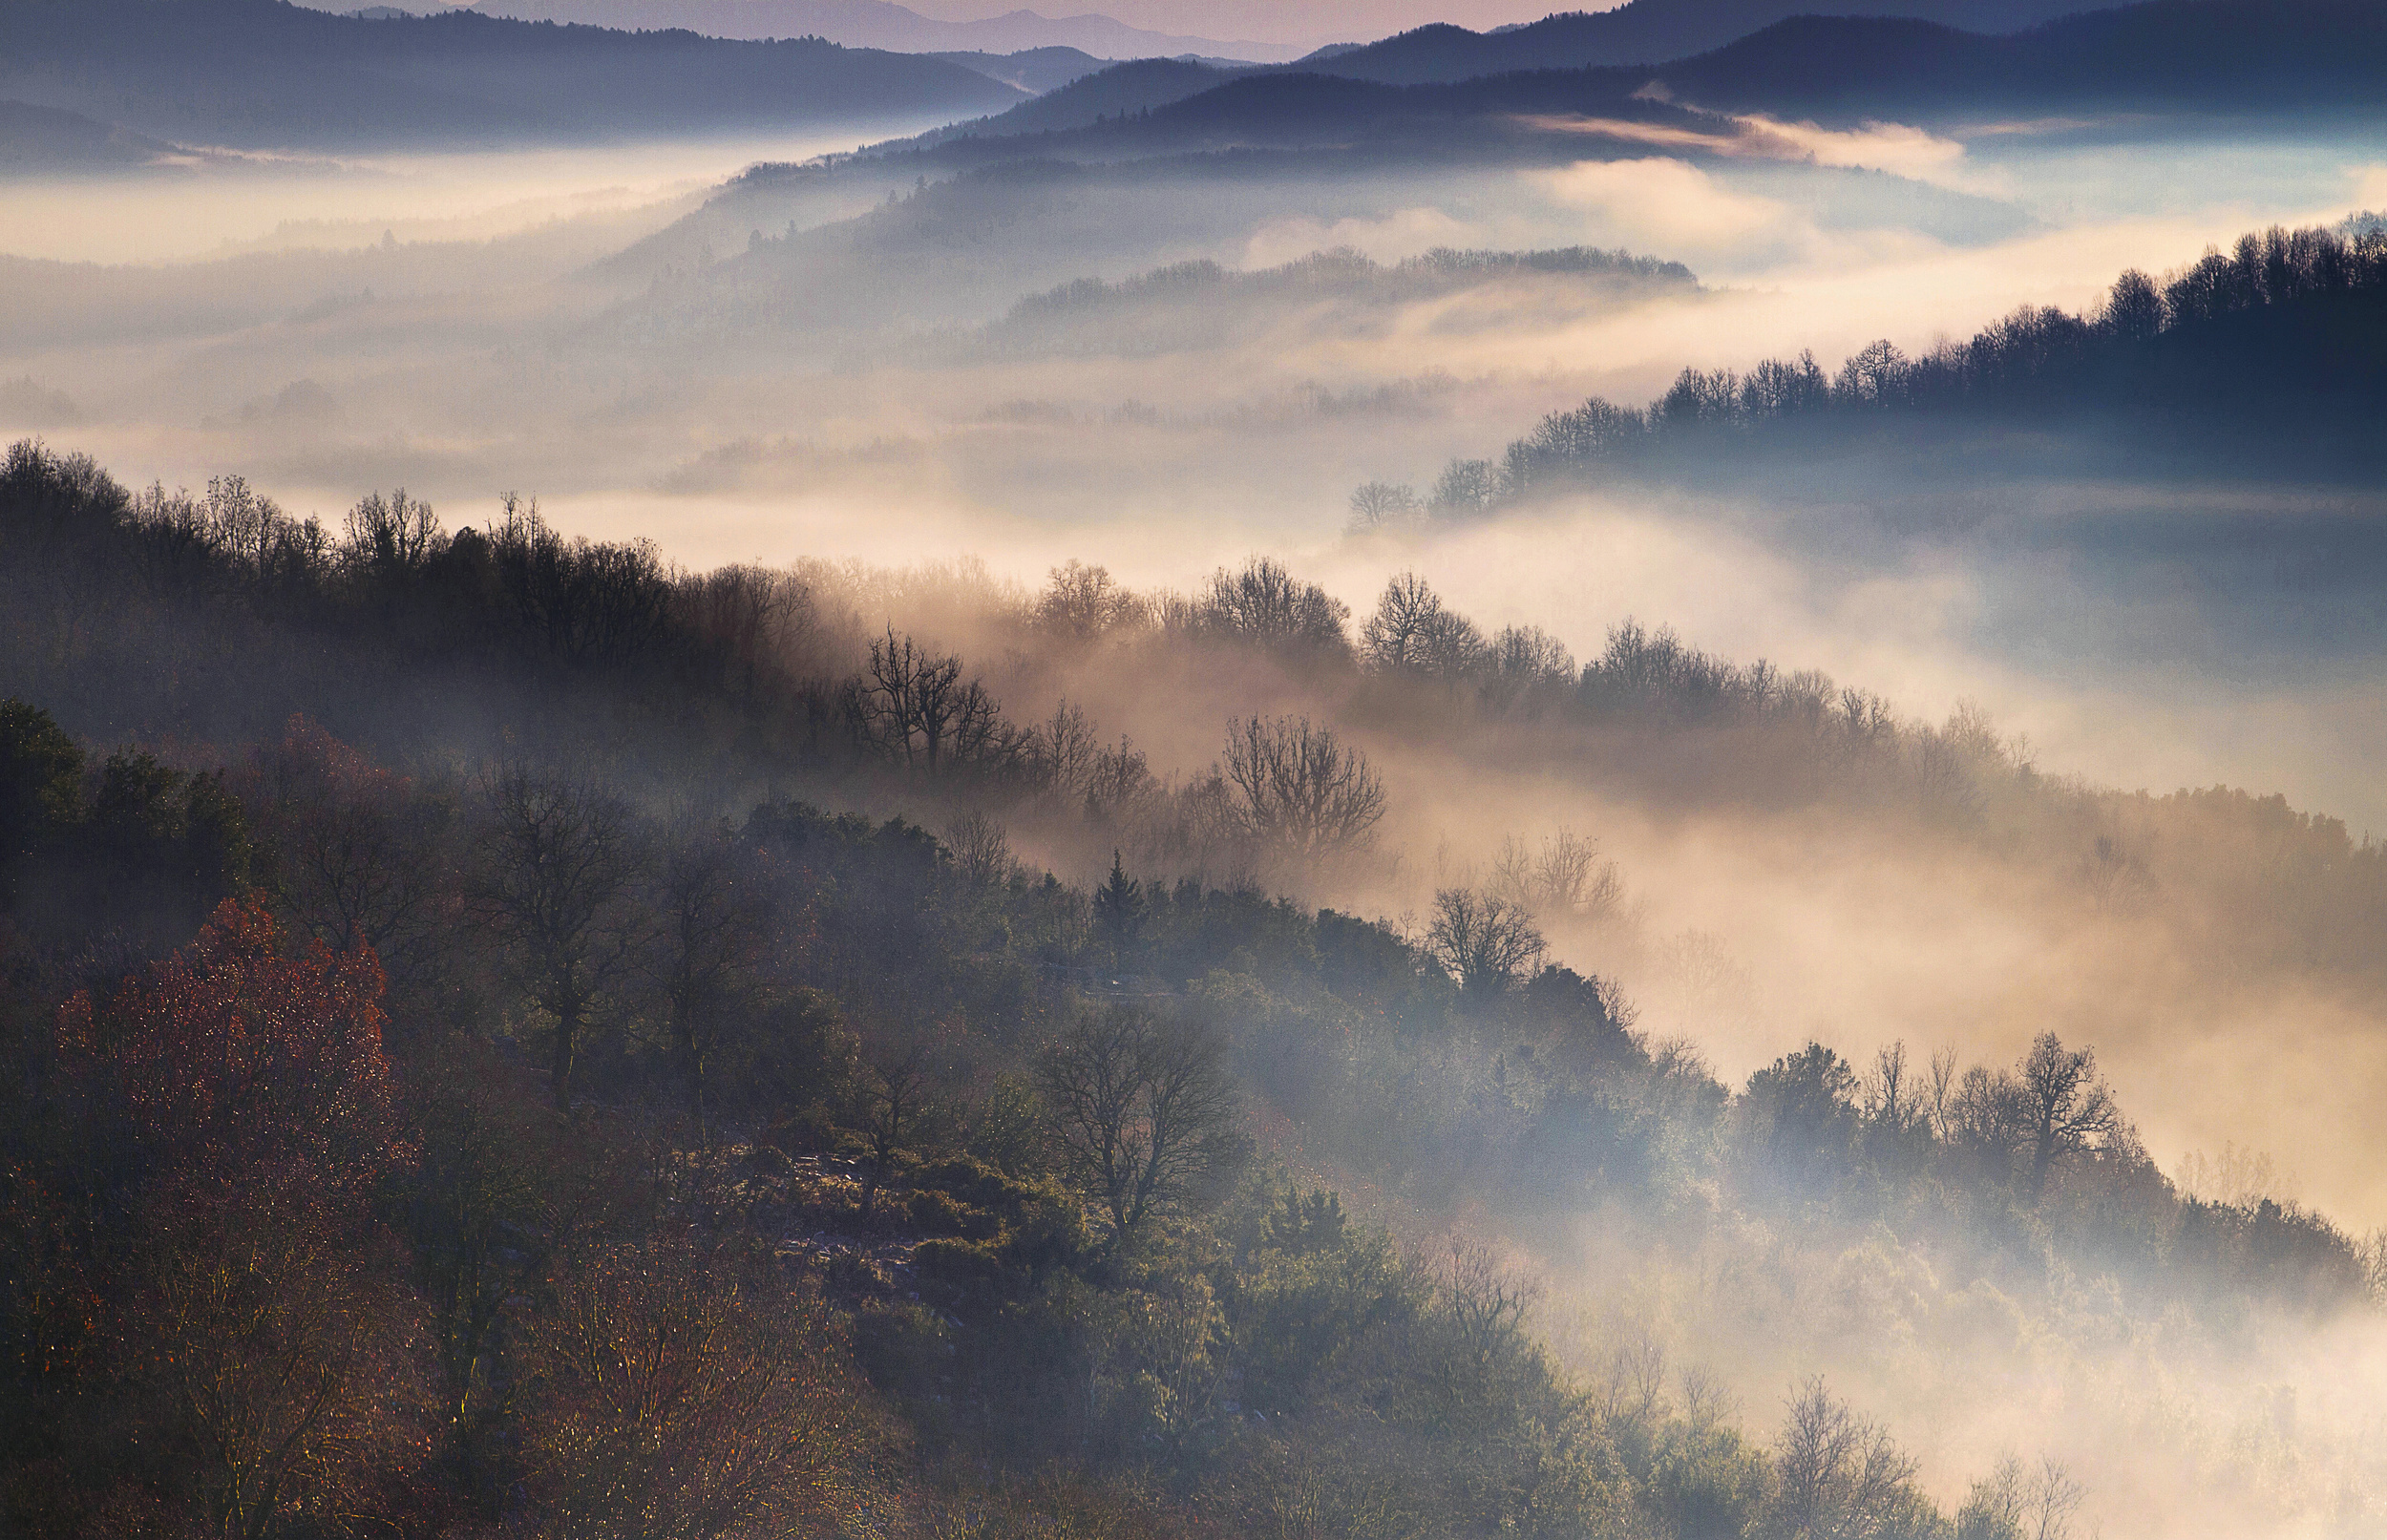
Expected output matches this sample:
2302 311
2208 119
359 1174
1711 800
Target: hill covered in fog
268 74
1196 306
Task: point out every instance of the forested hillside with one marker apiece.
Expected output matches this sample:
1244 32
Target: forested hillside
513 1037
2258 360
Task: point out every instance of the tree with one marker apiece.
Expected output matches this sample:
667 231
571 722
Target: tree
681 1395
1802 1107
238 1064
1482 939
1086 603
2066 1109
715 918
1119 913
1299 789
41 782
895 1097
357 855
1379 503
916 707
1142 1111
272 1351
1267 606
2013 1504
1412 632
560 860
982 851
1839 1476
268 1357
1873 376
2134 311
392 535
1466 486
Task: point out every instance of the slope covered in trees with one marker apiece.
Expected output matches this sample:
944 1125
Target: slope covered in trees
440 1135
474 1149
2259 360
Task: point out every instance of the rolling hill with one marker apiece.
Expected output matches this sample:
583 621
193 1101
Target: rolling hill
258 73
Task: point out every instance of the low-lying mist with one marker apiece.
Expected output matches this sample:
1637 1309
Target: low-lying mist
2073 703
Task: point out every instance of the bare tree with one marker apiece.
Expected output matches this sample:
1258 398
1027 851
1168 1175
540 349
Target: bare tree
1890 1097
2068 1108
1466 486
1118 778
672 1397
1487 1303
1393 636
1482 939
363 858
1379 503
396 533
1564 876
755 621
714 921
895 1097
1062 748
1140 1108
1266 606
1522 658
559 859
1299 789
2015 1503
981 852
1412 632
918 710
1942 1089
1086 603
1839 1476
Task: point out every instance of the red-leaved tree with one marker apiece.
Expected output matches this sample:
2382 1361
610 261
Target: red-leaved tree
241 1067
264 1348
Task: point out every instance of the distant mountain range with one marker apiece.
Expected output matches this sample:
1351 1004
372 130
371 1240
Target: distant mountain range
266 73
2167 57
874 24
1036 68
1647 31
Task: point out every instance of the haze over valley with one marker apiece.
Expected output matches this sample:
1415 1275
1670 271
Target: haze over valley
1611 775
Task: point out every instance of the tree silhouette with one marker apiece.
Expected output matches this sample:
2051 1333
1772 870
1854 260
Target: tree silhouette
1119 913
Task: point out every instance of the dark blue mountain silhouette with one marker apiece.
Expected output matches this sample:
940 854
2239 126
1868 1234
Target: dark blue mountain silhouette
262 72
1643 31
2276 58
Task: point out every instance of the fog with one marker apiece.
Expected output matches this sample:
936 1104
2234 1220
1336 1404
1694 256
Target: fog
545 324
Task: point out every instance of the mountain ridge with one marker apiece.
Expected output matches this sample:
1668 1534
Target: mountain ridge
264 74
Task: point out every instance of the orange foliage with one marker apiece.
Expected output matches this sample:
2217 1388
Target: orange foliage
240 1061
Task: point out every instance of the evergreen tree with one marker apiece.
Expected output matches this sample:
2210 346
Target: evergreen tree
1119 913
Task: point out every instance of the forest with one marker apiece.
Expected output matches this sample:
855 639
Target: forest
510 1036
2258 359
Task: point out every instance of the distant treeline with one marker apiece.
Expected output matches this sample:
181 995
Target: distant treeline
1202 305
1344 270
2265 355
163 617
